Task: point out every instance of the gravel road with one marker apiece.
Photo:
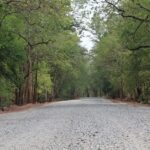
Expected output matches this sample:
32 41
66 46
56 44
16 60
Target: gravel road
85 124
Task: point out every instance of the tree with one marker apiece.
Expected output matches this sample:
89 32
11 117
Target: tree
39 49
120 57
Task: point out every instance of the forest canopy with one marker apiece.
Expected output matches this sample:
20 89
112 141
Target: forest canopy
41 58
121 64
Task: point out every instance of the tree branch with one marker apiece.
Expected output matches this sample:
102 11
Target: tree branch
122 12
139 47
4 17
13 2
41 43
141 6
138 27
23 37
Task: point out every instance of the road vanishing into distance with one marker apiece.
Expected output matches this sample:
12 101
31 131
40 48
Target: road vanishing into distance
85 124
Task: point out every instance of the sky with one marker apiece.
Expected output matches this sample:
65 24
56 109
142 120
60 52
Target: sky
87 41
83 16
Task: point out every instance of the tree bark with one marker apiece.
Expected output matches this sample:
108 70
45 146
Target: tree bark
28 91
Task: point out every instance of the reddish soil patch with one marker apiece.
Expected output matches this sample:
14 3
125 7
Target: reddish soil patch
15 108
130 102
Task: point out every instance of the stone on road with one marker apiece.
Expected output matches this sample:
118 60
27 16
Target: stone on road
85 124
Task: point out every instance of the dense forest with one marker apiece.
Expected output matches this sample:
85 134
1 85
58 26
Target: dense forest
121 64
41 58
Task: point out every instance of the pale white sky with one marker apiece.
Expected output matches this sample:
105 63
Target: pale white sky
83 16
87 40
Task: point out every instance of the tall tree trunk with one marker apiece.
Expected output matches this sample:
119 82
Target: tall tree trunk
121 89
35 87
19 100
28 91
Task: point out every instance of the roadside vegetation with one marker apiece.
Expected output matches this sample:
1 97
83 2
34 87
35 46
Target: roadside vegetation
41 59
121 57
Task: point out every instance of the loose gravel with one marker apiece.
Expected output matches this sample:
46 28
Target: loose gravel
85 124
